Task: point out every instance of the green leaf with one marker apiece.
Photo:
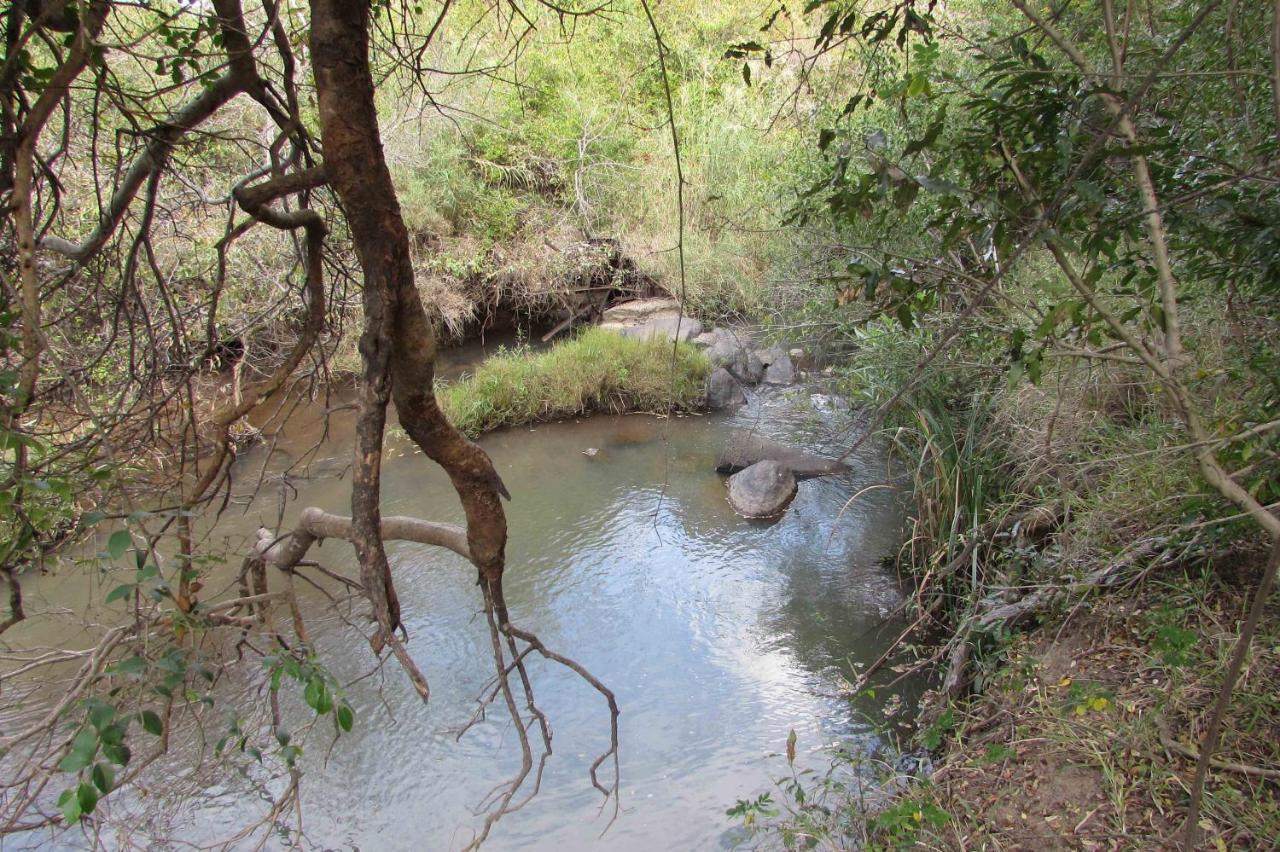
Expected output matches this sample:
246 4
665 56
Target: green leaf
101 714
118 754
130 665
151 722
346 717
104 777
70 806
317 696
119 542
120 592
87 797
904 316
930 135
918 85
83 749
112 734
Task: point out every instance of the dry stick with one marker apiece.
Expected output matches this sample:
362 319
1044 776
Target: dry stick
1275 68
675 147
1176 747
1191 831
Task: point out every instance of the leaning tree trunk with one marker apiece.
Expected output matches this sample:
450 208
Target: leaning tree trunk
398 346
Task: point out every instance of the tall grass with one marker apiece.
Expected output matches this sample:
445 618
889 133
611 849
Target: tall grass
943 428
596 371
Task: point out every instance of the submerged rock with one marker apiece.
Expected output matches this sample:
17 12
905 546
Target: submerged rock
723 390
744 449
828 403
763 490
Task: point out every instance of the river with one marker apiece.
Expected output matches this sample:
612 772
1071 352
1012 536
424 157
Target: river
719 636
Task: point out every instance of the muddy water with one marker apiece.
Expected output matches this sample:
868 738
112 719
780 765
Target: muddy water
719 636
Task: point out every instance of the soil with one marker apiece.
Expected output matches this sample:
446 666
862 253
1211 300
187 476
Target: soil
1081 742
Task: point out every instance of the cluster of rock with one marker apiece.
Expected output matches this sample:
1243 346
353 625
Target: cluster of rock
736 363
765 474
735 360
646 318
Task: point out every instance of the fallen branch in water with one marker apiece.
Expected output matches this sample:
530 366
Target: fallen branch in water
314 524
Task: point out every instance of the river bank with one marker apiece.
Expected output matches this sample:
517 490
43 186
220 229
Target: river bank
1078 594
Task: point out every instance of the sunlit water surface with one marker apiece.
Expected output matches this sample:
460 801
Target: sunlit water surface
718 635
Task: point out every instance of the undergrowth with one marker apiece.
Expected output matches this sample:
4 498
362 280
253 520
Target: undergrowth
1077 722
596 371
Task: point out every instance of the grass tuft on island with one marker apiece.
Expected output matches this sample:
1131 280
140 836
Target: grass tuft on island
597 371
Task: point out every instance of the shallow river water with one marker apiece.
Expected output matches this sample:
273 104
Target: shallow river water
718 635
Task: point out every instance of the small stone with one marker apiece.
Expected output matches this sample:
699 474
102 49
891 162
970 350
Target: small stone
744 448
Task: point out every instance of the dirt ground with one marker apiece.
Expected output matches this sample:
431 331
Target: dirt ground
1085 734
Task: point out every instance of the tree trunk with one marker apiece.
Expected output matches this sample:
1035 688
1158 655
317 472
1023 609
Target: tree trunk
398 345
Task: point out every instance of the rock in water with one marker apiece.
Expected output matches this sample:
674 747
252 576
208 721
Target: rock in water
744 448
648 318
763 490
723 390
728 350
778 367
755 369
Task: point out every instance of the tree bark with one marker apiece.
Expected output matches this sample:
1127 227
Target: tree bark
398 345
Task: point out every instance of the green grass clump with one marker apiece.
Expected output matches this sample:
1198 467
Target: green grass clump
596 371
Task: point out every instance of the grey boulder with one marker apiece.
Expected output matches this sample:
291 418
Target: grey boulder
762 490
723 390
729 350
778 367
755 369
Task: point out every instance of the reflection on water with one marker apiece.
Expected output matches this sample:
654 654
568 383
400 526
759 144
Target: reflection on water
719 635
